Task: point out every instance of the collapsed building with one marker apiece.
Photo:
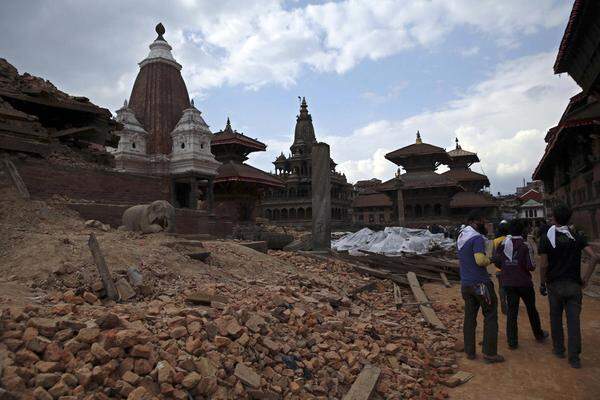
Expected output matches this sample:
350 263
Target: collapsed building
421 196
292 204
570 166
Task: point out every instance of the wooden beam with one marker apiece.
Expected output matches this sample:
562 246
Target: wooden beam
369 287
363 386
428 313
16 178
109 285
458 379
75 131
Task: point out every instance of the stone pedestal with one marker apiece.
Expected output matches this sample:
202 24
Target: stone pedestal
321 197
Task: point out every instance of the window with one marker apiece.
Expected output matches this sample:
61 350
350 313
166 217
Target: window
201 145
182 145
133 145
381 218
371 218
361 217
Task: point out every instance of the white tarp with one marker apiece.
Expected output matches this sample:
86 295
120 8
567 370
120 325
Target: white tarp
392 241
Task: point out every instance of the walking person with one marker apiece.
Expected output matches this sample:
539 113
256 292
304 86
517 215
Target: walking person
500 236
514 259
560 271
477 289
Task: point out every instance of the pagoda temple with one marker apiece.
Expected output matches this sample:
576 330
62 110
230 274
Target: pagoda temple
473 183
292 204
421 196
239 186
163 133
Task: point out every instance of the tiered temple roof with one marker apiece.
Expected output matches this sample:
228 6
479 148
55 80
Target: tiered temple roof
231 148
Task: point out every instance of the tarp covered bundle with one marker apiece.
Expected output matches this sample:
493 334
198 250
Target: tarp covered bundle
392 241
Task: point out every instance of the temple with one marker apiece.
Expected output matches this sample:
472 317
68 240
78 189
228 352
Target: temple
421 196
163 133
570 166
292 204
239 186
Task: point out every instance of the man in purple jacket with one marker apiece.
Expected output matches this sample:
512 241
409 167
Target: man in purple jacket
514 259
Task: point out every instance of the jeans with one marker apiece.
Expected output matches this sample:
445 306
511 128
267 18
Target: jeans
473 302
513 296
565 295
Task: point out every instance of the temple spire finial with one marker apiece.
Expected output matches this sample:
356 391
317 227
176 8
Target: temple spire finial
228 125
125 104
192 103
418 141
457 145
160 30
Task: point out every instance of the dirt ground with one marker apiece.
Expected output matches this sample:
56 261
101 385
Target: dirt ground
531 372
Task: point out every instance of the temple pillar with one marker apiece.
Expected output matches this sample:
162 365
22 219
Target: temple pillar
321 197
193 193
210 196
400 202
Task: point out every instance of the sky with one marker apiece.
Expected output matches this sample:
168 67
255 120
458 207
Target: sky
373 72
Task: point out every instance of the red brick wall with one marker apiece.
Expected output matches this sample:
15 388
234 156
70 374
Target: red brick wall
44 180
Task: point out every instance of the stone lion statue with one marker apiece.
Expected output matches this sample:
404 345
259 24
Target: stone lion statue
150 218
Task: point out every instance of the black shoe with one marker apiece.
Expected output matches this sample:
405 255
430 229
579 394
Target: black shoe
542 338
513 346
558 353
471 356
493 359
575 363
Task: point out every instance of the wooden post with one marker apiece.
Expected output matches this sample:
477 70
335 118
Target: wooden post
445 279
363 386
397 296
16 178
421 298
109 285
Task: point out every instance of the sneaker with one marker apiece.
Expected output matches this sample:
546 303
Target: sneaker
575 363
493 359
542 337
558 353
471 356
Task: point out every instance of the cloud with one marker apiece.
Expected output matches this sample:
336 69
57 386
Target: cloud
251 43
392 93
504 118
469 51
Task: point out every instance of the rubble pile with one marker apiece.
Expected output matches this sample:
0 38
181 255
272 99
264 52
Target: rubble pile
302 339
240 325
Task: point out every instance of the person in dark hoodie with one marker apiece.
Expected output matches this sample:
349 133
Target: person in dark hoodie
514 258
560 251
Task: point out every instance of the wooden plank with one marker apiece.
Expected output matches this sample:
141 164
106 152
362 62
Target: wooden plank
109 285
16 178
458 379
445 279
397 296
363 386
426 310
